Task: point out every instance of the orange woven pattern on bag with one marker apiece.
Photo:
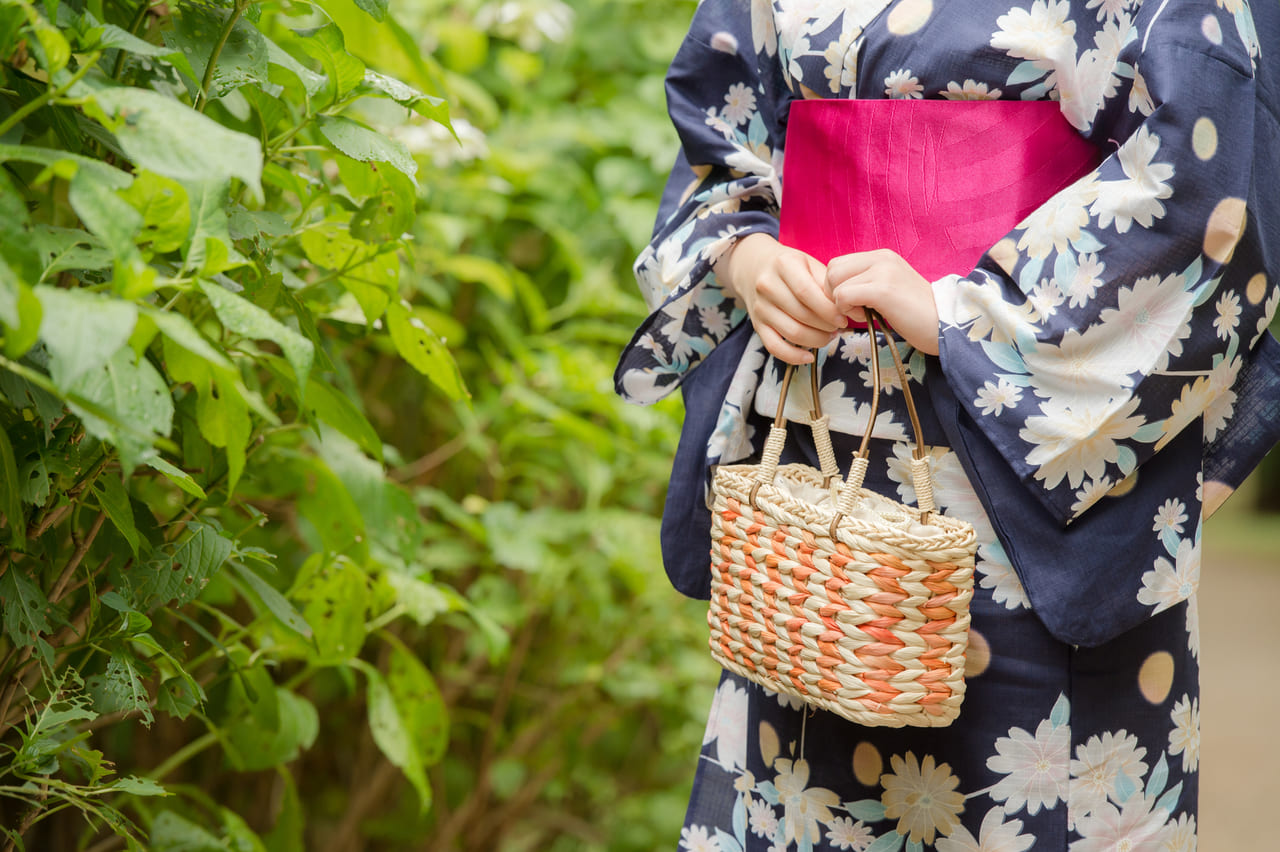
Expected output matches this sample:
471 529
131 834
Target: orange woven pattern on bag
866 626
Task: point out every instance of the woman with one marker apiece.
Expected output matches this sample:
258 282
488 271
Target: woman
1099 382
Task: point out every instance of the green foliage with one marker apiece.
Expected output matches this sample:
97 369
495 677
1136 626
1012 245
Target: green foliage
320 527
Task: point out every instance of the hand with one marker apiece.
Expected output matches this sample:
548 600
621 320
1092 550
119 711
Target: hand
883 281
785 295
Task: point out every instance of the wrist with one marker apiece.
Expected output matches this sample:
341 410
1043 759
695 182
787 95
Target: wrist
735 267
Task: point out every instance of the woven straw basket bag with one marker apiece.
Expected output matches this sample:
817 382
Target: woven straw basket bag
829 592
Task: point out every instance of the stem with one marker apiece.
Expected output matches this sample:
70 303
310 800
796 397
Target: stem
49 95
134 26
76 558
182 755
202 100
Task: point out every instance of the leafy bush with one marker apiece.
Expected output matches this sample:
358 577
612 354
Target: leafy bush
263 586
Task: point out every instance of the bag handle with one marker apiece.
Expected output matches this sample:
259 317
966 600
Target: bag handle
920 475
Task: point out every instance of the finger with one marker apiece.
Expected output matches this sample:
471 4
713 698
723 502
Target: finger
783 299
858 292
809 299
847 266
782 349
791 329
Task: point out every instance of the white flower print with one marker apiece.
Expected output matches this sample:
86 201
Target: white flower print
696 838
1184 739
1219 412
1061 220
763 821
952 490
970 90
1195 398
1193 625
982 306
995 835
1046 297
1108 8
1035 768
1182 834
1135 828
842 61
744 783
1151 320
996 573
994 398
1268 312
903 84
1094 78
1073 443
714 321
845 833
727 725
764 38
1140 95
922 796
1083 369
739 103
1042 33
1100 763
1170 516
1166 585
1136 199
1093 491
1086 281
1228 318
803 807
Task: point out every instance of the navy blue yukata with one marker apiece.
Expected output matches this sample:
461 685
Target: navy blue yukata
1106 378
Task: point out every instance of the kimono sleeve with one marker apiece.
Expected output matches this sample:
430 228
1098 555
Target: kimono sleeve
721 92
1120 312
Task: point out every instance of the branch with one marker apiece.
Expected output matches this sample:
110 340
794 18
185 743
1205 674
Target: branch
202 99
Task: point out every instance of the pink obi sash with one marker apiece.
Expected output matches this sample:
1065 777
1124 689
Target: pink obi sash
939 182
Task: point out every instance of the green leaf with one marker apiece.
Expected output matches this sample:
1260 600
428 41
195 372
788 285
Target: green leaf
137 786
328 47
165 210
60 249
365 144
276 603
335 597
391 733
172 833
178 698
109 37
82 331
121 688
161 134
436 109
11 495
419 702
125 402
287 835
25 607
247 319
369 272
177 476
108 216
210 250
113 498
179 329
311 81
334 408
243 59
425 352
180 574
278 728
422 601
377 9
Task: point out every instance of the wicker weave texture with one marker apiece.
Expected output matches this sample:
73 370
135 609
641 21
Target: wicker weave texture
872 626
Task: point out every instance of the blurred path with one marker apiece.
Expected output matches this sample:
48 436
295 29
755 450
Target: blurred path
1240 680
